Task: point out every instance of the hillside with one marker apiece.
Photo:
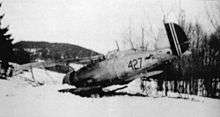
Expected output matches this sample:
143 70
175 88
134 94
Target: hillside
46 50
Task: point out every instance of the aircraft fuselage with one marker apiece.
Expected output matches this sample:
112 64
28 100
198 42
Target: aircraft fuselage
119 68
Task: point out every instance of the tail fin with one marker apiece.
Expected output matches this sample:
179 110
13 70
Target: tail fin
177 38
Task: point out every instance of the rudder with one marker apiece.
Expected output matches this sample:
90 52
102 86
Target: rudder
177 38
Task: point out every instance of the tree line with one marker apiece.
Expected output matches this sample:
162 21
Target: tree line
197 73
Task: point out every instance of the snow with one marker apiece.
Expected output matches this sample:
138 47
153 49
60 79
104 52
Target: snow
76 66
43 76
18 98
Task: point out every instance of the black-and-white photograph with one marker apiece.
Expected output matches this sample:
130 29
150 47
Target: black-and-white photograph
109 58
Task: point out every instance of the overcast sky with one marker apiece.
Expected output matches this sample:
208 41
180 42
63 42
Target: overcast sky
96 24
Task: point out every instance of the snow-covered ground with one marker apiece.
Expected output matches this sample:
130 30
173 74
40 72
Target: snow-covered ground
18 98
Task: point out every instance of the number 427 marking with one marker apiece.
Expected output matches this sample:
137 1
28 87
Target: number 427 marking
135 64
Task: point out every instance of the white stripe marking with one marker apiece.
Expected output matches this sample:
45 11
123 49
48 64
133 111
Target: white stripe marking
174 38
177 41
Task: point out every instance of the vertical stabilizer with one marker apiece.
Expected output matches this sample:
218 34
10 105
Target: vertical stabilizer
177 38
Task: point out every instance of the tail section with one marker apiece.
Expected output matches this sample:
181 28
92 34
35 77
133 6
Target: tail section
177 38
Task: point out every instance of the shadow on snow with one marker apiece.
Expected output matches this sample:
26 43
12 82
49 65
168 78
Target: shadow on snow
99 93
